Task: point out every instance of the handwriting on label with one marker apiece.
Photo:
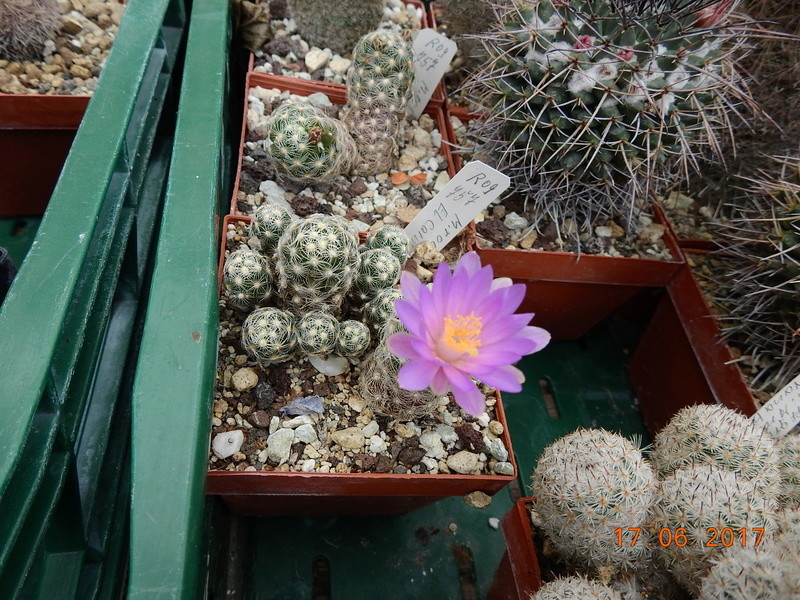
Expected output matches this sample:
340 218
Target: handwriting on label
432 55
448 212
780 415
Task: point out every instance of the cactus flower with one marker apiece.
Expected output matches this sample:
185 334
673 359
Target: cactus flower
463 328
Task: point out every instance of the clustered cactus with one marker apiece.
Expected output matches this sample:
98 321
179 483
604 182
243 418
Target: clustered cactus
247 278
393 239
576 587
268 224
335 24
377 270
25 26
268 334
589 106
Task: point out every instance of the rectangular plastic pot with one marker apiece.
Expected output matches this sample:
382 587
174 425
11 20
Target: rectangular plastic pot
518 575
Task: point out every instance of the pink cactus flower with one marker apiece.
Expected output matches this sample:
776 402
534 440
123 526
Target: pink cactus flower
461 328
626 54
712 14
583 42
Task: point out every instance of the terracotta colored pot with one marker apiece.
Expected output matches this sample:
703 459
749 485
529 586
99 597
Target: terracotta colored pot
36 132
337 95
518 575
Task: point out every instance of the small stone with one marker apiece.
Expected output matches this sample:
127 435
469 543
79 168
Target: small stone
358 187
403 430
399 178
483 419
447 433
463 462
356 403
430 464
227 443
494 522
279 446
377 444
442 179
603 231
515 222
305 433
309 465
93 10
616 231
370 429
499 211
274 424
528 241
422 138
349 439
478 499
406 163
319 100
504 468
470 438
432 443
338 65
407 214
653 232
316 59
71 25
297 421
79 71
259 418
496 427
330 367
311 452
244 379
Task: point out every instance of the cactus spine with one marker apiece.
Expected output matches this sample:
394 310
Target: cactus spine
247 278
352 339
316 333
335 24
269 336
268 224
25 25
789 456
381 308
392 238
379 270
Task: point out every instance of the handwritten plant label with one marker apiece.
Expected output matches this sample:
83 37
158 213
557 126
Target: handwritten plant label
780 415
449 211
432 55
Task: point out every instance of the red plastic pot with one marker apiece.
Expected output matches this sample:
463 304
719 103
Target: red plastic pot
518 575
36 132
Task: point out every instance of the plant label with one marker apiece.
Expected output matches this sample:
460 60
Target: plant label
448 212
780 415
432 55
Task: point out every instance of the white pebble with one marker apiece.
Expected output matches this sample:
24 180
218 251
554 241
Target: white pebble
494 522
227 443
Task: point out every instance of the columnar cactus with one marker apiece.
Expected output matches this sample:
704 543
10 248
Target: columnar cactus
316 261
379 270
576 587
589 484
247 278
269 335
712 434
25 26
268 224
317 333
381 308
697 503
306 145
378 91
352 339
588 108
393 238
335 24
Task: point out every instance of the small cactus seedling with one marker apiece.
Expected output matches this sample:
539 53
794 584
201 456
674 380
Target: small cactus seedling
379 270
247 278
392 238
268 224
269 335
317 333
697 503
587 485
381 308
25 26
715 435
577 587
353 338
335 24
307 145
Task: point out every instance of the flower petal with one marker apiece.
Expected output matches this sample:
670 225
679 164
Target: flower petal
410 286
540 337
505 379
409 316
416 374
440 384
466 393
469 263
402 345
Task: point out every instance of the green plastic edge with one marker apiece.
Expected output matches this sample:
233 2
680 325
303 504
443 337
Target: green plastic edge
37 306
175 371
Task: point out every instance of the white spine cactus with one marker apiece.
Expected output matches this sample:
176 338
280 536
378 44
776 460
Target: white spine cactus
379 270
352 339
269 335
268 224
247 278
575 587
394 239
25 26
381 308
789 456
317 333
588 485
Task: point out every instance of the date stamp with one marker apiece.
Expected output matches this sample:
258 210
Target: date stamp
714 538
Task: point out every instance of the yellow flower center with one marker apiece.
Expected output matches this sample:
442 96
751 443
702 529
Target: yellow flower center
462 334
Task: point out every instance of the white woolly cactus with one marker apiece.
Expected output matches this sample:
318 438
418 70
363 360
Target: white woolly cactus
378 271
381 308
394 239
316 261
695 506
269 336
25 26
588 484
247 278
268 224
789 457
715 435
317 333
577 587
352 339
306 145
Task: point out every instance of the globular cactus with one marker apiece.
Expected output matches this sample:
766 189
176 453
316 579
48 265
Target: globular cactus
268 224
588 484
247 278
379 270
352 339
317 333
269 335
306 145
381 308
577 587
335 24
378 91
697 503
715 435
589 106
789 457
392 238
316 261
25 26
759 290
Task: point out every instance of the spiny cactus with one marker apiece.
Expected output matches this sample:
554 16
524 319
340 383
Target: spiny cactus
698 501
306 145
25 26
381 308
316 261
269 335
379 270
587 485
268 224
789 457
577 587
715 435
335 24
392 238
759 292
352 339
247 278
378 90
588 108
317 333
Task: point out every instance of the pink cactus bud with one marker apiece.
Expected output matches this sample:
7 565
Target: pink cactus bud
626 54
583 42
712 14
